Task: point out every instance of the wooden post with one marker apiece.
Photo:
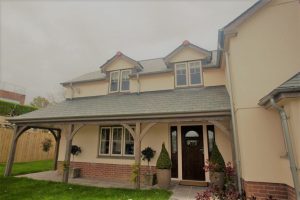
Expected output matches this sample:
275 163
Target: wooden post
66 165
57 137
137 153
17 132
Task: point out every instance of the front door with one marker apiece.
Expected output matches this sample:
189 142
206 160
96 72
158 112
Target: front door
192 153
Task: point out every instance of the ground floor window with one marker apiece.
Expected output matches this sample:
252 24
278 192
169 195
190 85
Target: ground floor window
115 141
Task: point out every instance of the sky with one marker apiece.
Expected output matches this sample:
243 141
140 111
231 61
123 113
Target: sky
46 42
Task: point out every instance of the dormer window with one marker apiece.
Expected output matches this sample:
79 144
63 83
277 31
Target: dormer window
188 74
119 81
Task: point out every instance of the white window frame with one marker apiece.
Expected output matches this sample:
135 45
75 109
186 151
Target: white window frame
110 148
187 74
100 141
121 80
112 140
124 145
118 86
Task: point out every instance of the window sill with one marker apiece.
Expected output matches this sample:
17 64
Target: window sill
116 157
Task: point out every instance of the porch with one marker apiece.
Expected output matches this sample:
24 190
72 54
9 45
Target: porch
148 118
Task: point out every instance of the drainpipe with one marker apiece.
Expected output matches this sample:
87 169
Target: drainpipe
288 140
138 81
234 131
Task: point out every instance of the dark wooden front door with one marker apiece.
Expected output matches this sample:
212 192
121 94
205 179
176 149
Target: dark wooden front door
192 153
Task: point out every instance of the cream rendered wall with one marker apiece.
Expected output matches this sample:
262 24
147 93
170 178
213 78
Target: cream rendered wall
264 54
119 64
94 88
88 137
187 54
213 77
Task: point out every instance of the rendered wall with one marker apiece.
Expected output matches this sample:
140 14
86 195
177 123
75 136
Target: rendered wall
263 55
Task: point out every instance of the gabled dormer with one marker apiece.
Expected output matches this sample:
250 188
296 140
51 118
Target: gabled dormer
118 70
186 60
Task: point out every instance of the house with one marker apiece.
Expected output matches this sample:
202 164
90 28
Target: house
12 93
244 96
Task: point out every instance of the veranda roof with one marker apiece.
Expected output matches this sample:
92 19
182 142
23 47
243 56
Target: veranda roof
178 101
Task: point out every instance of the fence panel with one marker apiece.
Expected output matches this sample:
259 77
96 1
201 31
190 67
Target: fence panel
29 147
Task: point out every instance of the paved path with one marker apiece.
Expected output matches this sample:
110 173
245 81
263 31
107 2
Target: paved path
179 192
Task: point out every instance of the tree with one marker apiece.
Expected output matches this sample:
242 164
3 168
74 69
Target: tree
39 102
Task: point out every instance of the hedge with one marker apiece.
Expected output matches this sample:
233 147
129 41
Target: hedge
13 109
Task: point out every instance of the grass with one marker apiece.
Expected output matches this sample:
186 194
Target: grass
28 167
12 188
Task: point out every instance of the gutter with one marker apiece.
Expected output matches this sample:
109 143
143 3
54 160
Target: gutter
235 135
288 142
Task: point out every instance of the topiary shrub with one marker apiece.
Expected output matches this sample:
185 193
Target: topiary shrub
164 161
217 159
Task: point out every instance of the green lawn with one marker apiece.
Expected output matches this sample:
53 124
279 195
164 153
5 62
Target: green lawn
12 188
28 167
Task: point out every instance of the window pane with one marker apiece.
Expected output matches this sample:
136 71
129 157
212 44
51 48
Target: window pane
104 145
117 141
181 74
129 143
125 80
195 75
211 138
114 81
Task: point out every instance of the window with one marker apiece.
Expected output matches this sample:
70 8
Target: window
129 143
188 74
181 75
114 81
195 73
211 138
119 81
125 80
104 140
115 141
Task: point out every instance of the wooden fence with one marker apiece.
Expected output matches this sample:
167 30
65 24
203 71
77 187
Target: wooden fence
29 147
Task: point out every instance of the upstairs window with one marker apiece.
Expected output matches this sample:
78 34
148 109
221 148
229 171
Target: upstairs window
114 81
188 74
119 81
125 80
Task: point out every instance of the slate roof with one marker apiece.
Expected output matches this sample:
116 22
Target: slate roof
289 86
178 101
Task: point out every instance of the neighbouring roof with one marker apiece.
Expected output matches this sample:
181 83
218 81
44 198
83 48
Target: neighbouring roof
290 86
179 101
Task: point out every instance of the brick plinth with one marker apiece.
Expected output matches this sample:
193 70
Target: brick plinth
262 190
104 171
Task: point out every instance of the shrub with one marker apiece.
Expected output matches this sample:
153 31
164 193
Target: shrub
46 144
14 109
217 160
163 161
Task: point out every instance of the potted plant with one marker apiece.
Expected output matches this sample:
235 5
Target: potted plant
46 145
75 151
163 166
148 154
216 167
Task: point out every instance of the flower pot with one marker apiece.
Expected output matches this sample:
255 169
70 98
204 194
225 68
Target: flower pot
149 179
217 179
163 178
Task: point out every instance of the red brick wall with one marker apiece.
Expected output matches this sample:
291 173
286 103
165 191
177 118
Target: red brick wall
12 96
104 171
262 190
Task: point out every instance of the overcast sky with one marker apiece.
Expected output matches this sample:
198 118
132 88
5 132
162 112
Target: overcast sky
44 43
